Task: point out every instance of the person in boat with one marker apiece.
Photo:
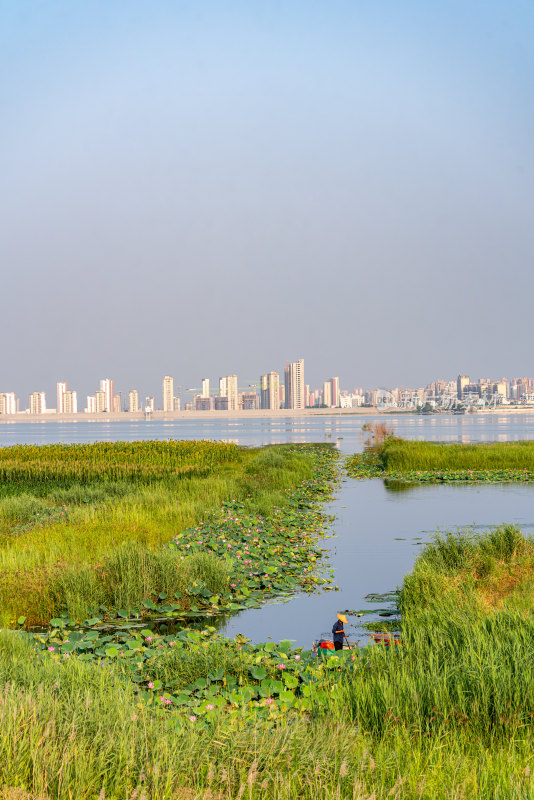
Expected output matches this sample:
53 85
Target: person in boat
339 632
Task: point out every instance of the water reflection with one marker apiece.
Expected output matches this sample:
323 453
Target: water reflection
379 526
245 430
379 530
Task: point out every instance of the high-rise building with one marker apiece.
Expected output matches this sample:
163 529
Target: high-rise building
327 394
150 404
307 395
249 401
205 387
90 408
294 384
133 401
270 391
8 403
106 386
37 403
231 392
168 393
117 402
461 383
61 389
202 403
176 404
334 382
499 388
222 387
221 403
69 403
101 401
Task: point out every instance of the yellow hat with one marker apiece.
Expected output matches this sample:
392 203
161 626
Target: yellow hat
342 618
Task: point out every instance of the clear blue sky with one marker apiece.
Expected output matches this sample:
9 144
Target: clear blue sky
197 188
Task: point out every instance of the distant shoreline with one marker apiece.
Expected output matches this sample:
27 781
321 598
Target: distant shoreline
285 413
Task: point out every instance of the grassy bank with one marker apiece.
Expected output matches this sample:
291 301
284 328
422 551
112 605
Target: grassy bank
86 525
91 713
449 714
438 462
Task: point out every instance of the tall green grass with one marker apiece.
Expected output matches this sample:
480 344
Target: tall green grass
403 455
131 573
49 562
448 714
467 658
76 730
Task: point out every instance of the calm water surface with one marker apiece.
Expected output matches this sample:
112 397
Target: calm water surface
345 430
377 532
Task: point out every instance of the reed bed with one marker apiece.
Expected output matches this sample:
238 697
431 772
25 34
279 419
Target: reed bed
406 456
58 533
72 729
449 714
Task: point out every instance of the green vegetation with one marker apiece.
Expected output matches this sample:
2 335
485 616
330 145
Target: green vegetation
190 715
400 454
438 462
66 545
90 711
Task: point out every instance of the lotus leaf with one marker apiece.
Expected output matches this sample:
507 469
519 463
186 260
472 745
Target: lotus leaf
287 696
258 673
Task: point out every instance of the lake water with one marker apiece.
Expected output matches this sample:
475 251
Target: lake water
345 430
377 532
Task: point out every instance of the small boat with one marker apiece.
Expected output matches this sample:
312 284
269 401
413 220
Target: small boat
385 638
324 643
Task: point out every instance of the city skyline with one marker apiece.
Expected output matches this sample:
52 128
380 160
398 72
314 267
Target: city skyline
184 391
271 393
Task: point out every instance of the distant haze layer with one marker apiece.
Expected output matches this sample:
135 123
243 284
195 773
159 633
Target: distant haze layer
201 188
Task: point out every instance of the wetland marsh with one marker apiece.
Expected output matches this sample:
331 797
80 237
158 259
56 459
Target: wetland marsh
137 710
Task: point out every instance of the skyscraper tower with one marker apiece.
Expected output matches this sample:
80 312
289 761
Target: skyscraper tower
168 393
61 390
294 383
270 391
106 386
461 383
70 403
335 391
133 401
231 392
37 403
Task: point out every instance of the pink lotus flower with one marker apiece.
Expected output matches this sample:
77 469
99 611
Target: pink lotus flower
51 649
193 718
281 666
269 701
209 707
150 685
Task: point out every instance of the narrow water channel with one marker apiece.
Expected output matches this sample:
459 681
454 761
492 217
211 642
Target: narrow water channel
373 543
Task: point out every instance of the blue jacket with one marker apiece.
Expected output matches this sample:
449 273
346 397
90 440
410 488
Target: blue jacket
337 630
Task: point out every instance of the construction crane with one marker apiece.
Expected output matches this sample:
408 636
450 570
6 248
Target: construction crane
215 392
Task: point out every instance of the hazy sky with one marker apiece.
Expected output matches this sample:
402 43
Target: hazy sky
200 188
